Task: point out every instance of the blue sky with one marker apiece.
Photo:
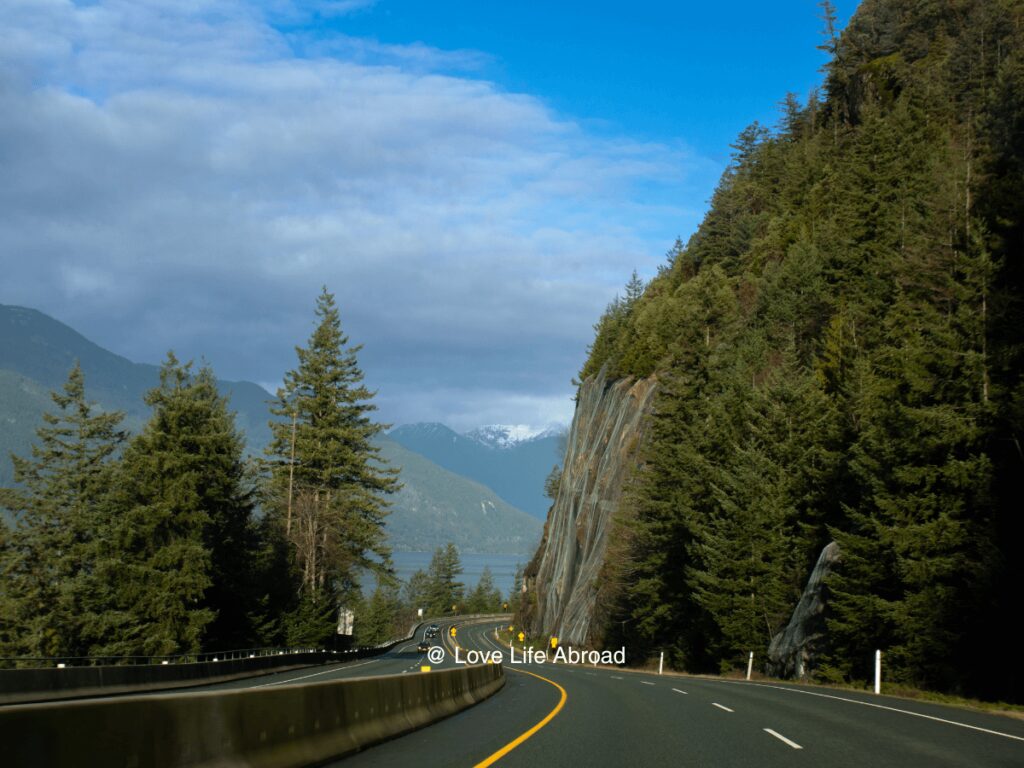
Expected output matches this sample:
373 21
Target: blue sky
474 181
664 71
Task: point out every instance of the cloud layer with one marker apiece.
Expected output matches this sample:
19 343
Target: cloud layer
188 174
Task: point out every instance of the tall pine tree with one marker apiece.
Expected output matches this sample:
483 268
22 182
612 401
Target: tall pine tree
175 565
48 560
328 481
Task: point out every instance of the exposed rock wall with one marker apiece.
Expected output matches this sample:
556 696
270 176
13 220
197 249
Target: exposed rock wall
601 449
793 652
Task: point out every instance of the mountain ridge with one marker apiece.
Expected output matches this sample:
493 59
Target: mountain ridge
516 472
435 506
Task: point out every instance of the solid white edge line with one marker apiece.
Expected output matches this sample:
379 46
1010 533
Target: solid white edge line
882 706
714 704
678 691
782 738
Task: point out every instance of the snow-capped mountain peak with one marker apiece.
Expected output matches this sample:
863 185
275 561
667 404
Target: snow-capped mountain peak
510 435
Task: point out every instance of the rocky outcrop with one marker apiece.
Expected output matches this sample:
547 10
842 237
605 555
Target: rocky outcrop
793 652
562 580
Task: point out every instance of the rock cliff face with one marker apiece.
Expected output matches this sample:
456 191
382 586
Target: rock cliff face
601 449
793 652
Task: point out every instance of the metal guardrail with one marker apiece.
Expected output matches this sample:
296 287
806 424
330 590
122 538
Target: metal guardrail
49 662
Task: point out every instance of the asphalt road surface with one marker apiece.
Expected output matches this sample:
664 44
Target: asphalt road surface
563 715
591 716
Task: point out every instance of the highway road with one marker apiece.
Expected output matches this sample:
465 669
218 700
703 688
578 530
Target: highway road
560 715
563 715
402 659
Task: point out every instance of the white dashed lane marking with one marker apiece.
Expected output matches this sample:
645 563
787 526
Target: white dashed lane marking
713 704
783 739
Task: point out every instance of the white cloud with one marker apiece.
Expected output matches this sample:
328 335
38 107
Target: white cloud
176 176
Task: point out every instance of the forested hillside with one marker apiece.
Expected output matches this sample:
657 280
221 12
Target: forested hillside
838 350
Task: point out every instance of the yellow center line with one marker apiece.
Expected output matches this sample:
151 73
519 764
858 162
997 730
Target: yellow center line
527 734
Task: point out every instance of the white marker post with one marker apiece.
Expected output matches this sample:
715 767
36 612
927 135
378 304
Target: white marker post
750 664
661 662
878 671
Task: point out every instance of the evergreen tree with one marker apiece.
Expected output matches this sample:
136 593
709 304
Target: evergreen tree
378 619
838 353
443 589
177 552
48 559
415 591
226 492
327 479
485 597
515 595
551 482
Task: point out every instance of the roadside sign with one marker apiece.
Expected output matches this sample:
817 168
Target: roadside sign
346 621
521 637
425 668
554 643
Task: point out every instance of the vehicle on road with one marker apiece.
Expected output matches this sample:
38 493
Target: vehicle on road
424 646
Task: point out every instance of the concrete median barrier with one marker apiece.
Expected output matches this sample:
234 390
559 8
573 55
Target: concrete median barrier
275 727
24 686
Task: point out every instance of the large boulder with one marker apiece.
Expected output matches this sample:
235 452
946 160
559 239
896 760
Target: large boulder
793 652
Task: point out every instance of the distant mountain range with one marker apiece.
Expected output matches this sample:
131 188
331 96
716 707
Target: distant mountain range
511 435
510 460
43 350
435 505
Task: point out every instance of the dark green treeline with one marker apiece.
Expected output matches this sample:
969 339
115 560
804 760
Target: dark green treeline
173 541
838 350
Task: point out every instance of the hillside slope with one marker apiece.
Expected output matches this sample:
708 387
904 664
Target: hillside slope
516 472
436 506
43 350
838 351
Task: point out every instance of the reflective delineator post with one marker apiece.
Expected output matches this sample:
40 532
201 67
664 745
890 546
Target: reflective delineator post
661 662
878 671
750 664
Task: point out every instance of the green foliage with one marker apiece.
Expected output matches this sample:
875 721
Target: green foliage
48 558
442 591
551 482
382 617
838 352
179 515
485 597
327 478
